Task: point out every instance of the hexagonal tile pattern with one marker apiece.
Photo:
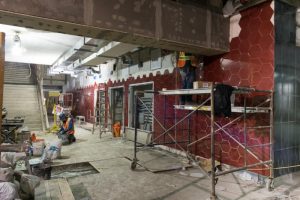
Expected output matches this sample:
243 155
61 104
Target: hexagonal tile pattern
250 63
251 59
254 44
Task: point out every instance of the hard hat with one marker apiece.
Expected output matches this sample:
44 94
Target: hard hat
62 117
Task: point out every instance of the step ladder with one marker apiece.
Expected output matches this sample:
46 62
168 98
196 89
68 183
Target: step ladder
101 112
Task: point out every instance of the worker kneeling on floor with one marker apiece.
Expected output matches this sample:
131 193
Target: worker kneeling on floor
66 132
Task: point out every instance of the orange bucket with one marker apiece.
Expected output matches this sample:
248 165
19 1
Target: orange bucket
117 129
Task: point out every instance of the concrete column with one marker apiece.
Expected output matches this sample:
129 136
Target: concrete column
2 58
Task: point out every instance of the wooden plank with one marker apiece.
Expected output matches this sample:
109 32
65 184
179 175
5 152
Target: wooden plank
40 192
48 195
54 190
11 148
65 189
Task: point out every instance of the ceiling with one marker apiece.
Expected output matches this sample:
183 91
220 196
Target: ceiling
64 53
37 47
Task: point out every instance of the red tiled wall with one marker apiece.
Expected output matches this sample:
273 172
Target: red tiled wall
251 59
160 81
251 53
83 102
252 65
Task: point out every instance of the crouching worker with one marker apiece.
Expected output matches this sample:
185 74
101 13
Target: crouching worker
66 132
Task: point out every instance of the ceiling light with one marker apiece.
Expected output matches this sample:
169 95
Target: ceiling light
17 48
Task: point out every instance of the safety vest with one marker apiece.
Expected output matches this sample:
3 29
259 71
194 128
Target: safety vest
66 126
183 58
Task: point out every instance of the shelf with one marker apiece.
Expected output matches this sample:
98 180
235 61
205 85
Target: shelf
235 109
237 90
186 91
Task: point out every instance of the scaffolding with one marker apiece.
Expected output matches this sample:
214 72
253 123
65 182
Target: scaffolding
207 108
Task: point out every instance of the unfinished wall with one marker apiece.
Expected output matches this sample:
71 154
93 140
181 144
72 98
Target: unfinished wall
83 87
83 102
250 62
287 85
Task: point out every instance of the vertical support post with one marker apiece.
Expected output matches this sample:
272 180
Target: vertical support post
100 110
165 115
175 122
245 132
136 115
271 141
212 145
175 128
189 130
2 56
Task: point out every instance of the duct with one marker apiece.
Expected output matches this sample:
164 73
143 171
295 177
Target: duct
82 49
232 7
67 55
111 51
57 71
73 57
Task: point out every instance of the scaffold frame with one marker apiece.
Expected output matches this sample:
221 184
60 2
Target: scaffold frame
215 127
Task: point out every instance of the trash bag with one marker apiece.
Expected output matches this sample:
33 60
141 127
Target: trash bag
8 191
18 175
42 170
64 137
38 147
9 159
52 151
6 175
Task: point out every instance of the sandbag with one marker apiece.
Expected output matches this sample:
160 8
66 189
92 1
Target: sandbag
17 185
18 175
9 159
64 138
6 175
8 191
38 147
29 183
52 151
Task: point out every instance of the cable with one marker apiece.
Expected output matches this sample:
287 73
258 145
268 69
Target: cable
275 168
29 71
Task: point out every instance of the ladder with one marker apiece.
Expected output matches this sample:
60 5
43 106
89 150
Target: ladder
100 114
144 109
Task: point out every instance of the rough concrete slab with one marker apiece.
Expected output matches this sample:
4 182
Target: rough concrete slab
116 181
157 160
143 137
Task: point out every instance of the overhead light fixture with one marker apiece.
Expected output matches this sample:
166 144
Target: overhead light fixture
17 48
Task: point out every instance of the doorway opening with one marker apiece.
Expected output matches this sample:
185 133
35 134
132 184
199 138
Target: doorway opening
145 120
117 105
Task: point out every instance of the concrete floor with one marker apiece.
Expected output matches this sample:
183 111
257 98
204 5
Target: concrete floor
116 180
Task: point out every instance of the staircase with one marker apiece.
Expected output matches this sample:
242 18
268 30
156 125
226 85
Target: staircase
22 100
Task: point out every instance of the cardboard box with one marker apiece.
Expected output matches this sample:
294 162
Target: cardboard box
202 84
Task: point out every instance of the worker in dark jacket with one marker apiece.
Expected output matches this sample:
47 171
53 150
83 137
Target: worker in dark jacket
66 132
187 64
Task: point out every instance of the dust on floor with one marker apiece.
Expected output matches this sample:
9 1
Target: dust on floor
116 180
